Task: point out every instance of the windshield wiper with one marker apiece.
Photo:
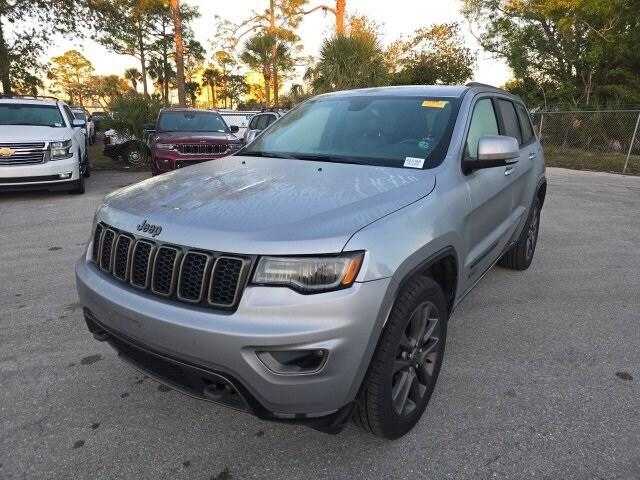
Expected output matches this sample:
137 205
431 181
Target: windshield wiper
331 158
269 155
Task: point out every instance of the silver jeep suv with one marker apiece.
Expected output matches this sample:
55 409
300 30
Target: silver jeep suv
309 277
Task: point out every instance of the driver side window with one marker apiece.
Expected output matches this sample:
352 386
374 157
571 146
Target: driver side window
483 122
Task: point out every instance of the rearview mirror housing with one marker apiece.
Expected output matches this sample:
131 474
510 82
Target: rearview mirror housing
149 126
234 128
494 151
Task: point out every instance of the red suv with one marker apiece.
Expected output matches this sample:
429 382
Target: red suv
187 136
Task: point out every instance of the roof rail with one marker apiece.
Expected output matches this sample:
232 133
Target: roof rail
30 97
485 85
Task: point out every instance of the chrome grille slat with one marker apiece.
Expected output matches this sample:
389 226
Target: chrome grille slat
202 149
25 145
121 257
23 158
165 271
141 263
106 249
192 276
196 277
225 280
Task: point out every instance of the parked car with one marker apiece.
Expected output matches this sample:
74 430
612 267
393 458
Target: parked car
98 119
130 150
309 278
258 123
237 118
42 145
89 129
184 137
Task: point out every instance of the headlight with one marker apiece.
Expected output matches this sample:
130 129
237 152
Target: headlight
165 146
309 274
60 150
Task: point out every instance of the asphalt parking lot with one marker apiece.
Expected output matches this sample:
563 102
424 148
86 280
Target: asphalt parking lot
541 378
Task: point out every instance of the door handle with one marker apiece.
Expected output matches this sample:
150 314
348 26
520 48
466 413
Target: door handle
508 171
532 155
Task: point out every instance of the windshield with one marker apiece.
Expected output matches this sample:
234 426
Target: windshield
79 115
37 115
191 122
382 130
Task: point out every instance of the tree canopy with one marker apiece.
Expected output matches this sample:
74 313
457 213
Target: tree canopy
581 52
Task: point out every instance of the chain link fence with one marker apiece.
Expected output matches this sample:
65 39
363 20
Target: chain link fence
606 140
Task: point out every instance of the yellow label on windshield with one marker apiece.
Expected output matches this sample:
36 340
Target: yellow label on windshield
434 103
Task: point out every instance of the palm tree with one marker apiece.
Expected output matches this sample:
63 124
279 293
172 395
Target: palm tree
348 62
177 35
134 76
258 54
210 78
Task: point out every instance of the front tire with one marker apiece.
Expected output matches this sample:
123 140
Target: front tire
407 361
520 256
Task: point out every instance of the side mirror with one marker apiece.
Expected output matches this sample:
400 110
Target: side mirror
494 151
234 128
251 135
149 126
77 123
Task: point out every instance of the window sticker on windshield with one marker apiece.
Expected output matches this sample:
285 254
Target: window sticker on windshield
434 103
413 162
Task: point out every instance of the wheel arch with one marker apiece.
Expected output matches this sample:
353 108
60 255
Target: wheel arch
441 266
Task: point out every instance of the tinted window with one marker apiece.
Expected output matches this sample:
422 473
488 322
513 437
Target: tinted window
24 114
377 130
270 119
525 123
510 119
253 122
263 121
79 115
191 122
483 122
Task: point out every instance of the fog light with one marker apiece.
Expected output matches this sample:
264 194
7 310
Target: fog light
294 361
65 175
164 164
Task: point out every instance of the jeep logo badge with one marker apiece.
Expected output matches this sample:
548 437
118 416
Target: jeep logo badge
153 230
6 152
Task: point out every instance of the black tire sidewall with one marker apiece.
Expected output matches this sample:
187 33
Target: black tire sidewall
413 294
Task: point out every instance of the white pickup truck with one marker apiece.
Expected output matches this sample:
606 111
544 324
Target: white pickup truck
42 145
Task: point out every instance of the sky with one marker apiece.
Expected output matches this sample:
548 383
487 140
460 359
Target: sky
403 19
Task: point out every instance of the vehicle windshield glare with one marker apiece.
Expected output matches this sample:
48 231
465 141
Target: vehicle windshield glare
33 115
191 122
380 130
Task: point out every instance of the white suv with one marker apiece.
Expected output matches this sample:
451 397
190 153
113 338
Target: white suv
42 145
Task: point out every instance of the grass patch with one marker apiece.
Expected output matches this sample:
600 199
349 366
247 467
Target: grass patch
99 161
586 160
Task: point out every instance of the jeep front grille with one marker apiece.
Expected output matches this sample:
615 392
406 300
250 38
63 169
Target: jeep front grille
202 149
192 276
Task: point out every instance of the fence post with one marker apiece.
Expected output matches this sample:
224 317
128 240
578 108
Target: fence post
540 129
633 139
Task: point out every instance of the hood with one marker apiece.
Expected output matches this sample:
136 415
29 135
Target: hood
195 137
30 133
273 206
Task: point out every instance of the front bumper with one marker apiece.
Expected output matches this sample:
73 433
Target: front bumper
41 175
166 160
225 344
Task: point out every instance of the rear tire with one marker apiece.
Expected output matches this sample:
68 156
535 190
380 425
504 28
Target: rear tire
405 367
133 155
520 256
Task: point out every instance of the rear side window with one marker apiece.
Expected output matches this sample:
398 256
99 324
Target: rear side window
510 119
483 122
525 123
